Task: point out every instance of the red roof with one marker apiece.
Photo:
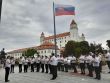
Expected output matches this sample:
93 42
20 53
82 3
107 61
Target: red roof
21 50
58 36
46 45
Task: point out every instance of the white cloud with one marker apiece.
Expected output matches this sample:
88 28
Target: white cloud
24 20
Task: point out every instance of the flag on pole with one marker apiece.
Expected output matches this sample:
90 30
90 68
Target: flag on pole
64 10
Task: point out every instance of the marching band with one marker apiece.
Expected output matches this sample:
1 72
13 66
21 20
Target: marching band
52 64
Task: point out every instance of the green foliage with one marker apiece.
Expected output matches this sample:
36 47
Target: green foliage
69 48
92 47
96 48
30 52
108 43
78 52
99 48
83 47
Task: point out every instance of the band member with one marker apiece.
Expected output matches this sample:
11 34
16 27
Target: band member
100 56
20 64
46 63
29 62
54 66
82 64
7 68
62 62
38 63
96 64
108 60
73 63
25 61
89 64
12 64
32 64
50 65
69 61
42 63
66 64
59 63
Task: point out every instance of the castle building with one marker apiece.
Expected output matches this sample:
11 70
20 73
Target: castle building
45 49
47 45
63 38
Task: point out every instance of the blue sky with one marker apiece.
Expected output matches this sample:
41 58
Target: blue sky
24 20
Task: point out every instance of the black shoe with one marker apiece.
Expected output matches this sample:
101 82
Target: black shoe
53 79
91 76
98 78
95 78
109 72
75 71
7 81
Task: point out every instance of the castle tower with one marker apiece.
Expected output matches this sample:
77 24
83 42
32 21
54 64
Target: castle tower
42 37
83 37
74 31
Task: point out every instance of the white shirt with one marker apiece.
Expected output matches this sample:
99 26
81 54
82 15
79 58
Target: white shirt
37 59
42 60
88 59
25 62
20 61
32 61
12 62
73 60
108 56
46 60
65 61
81 59
61 59
8 63
96 61
54 61
69 57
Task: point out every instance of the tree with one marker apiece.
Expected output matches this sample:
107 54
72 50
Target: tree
96 48
84 45
108 43
76 48
70 48
92 47
99 48
78 51
30 52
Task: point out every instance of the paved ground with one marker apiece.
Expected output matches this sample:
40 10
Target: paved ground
45 78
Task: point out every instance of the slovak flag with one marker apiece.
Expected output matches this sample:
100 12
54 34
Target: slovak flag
64 10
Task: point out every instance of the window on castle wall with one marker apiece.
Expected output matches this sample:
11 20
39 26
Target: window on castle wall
60 41
65 40
45 51
41 51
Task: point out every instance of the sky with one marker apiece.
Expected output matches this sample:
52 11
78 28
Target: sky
23 21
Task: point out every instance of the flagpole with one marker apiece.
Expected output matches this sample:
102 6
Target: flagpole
0 8
54 30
